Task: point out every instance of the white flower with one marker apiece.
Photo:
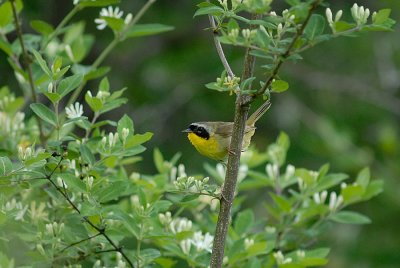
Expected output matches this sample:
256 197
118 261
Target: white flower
280 258
319 198
202 242
125 133
181 171
248 243
128 18
74 111
243 169
272 171
180 224
301 253
111 13
360 14
185 246
107 12
335 201
329 15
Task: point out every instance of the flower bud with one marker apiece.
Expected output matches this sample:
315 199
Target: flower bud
328 13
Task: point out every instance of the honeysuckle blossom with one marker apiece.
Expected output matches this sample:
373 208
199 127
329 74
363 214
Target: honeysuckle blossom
111 13
74 111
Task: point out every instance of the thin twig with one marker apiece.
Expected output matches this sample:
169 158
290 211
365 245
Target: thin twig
218 46
102 231
288 51
80 241
27 65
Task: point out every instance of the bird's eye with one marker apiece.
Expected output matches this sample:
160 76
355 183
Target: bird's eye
192 127
202 132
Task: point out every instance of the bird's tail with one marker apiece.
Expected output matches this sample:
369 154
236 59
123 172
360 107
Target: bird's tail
258 113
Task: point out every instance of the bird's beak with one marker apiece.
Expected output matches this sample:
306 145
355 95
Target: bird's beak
187 130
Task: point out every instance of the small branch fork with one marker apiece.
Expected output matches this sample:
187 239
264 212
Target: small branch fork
242 107
101 230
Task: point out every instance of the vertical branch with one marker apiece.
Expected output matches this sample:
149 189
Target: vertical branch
27 66
242 107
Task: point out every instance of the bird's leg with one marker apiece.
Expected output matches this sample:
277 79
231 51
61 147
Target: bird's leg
231 152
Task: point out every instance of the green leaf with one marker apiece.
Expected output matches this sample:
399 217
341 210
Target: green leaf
97 3
138 139
96 73
161 206
42 63
232 24
68 84
283 140
5 166
6 47
44 113
373 189
363 178
57 64
112 104
189 197
315 26
279 86
259 248
148 29
112 191
6 12
42 27
114 23
382 16
341 26
244 222
350 217
149 254
352 193
159 161
317 253
73 182
281 202
87 155
209 10
61 72
215 86
125 122
53 97
38 158
94 103
104 85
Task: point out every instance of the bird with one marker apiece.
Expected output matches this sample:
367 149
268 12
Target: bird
212 139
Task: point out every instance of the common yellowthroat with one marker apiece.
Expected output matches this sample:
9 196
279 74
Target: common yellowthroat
212 139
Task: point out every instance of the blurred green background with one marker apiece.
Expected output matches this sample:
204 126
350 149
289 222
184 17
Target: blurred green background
343 105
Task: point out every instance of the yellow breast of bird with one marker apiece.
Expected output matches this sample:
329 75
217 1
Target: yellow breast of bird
210 147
